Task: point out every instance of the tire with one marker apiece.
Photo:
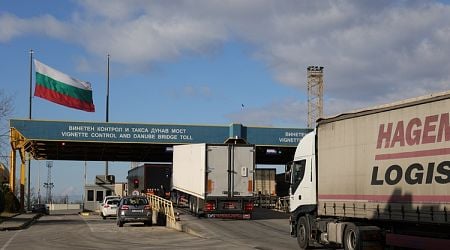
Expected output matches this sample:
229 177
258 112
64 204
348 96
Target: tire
103 216
352 238
191 206
195 201
120 223
303 232
148 223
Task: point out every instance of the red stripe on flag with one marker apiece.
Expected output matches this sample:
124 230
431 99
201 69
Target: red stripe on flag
61 99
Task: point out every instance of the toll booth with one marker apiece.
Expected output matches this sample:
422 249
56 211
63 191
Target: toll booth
94 193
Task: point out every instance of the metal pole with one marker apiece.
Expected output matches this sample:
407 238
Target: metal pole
107 111
29 117
107 92
39 184
31 81
84 189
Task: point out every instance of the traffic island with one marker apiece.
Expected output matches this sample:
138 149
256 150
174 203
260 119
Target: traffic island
19 221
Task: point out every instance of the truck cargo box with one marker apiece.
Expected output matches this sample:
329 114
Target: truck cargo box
215 180
391 162
151 178
213 170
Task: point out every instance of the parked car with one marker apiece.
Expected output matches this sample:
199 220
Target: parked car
109 209
134 209
40 208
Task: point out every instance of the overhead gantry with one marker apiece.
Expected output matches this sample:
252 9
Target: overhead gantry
99 141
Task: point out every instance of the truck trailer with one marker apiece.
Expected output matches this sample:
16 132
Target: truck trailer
151 178
265 187
265 184
214 180
374 178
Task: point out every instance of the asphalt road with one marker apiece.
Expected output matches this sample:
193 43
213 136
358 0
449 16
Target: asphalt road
266 231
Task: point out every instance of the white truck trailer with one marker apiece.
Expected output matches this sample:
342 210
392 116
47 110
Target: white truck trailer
265 183
375 177
215 180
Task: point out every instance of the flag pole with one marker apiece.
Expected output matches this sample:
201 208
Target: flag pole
107 110
107 92
31 81
29 117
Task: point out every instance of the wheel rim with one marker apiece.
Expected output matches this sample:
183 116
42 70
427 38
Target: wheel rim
302 233
351 240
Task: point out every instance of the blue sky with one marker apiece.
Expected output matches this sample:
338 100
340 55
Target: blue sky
197 62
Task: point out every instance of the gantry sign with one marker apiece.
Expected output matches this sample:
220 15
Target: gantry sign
100 141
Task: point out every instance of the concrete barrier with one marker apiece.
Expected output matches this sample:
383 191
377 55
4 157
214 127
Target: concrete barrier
53 207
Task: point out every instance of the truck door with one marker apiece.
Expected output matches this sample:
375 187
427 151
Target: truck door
217 159
242 166
303 190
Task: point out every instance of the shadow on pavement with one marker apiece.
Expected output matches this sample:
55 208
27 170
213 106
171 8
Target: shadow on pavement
265 213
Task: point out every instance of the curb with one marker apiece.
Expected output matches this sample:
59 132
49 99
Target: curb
184 228
187 229
23 225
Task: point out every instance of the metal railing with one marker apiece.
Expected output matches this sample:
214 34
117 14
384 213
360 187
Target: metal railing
272 202
265 201
282 204
163 206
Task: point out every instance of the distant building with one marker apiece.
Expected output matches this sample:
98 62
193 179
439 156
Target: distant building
94 193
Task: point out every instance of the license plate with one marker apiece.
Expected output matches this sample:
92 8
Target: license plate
136 210
229 205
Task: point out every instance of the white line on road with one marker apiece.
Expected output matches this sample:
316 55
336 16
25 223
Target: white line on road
90 228
10 240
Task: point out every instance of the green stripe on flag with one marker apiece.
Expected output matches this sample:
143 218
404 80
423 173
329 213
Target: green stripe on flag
60 87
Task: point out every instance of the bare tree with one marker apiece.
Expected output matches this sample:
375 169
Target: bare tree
6 110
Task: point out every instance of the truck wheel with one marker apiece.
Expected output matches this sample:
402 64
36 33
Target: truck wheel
196 207
352 238
191 204
303 233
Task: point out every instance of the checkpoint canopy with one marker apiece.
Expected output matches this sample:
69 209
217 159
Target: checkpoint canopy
100 141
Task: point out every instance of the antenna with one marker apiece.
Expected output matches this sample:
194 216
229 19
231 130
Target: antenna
49 184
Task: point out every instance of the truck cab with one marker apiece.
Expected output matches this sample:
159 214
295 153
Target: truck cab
302 175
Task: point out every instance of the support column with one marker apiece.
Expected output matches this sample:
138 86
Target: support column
12 171
22 179
29 182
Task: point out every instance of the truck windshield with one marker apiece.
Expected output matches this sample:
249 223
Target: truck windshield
298 172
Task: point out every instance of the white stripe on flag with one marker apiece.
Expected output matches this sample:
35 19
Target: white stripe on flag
59 76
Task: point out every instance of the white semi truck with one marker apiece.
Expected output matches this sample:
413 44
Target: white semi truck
215 180
374 178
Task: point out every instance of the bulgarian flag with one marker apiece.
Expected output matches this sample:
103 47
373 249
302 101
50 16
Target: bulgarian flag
60 88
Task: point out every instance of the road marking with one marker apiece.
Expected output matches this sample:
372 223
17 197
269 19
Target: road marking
90 228
10 240
97 228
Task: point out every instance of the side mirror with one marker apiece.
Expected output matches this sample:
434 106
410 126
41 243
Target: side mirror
287 177
287 172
